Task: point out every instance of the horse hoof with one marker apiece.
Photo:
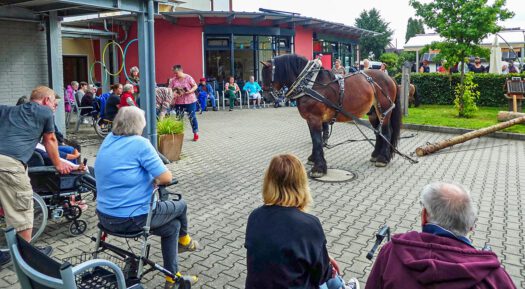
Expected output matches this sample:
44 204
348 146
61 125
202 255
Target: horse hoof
373 159
381 164
315 175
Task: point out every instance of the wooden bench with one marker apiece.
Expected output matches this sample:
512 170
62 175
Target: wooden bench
515 92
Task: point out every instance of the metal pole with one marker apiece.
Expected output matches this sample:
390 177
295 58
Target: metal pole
105 79
144 66
54 66
151 116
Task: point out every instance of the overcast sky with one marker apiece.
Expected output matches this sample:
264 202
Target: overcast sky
396 12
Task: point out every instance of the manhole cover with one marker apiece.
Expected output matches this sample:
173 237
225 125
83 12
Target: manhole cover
336 176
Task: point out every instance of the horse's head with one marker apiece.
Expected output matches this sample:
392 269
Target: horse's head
282 71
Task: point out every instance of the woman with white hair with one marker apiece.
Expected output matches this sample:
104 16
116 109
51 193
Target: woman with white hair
127 168
127 99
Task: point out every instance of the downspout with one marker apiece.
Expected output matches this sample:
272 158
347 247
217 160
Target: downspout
152 119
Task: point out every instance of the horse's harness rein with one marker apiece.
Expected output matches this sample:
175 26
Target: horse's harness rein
303 86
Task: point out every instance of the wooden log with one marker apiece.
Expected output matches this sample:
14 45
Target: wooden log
508 115
431 148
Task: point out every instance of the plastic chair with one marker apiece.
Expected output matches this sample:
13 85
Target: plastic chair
35 270
238 98
75 107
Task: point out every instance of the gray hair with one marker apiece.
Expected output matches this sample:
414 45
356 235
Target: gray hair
449 206
127 87
133 69
129 121
74 83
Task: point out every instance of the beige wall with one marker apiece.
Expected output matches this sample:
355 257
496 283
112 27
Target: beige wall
78 46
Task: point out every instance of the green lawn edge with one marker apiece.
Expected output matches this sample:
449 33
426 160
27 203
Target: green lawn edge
446 115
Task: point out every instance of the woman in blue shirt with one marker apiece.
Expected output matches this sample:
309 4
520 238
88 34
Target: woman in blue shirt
253 88
127 168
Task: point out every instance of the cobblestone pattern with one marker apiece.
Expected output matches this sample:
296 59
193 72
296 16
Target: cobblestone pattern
220 176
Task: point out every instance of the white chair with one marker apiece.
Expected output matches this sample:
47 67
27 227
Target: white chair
239 98
75 107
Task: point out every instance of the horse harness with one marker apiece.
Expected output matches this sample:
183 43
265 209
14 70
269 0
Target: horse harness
303 86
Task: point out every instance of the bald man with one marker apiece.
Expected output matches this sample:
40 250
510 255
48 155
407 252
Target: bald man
441 256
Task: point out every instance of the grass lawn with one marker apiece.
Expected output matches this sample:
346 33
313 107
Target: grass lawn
446 115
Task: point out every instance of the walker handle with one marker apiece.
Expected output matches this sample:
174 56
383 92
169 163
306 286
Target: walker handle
384 231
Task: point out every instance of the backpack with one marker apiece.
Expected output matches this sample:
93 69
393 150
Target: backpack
100 104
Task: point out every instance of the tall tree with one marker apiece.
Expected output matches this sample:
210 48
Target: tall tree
462 24
371 20
414 26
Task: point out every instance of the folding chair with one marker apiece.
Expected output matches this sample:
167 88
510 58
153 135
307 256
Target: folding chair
75 106
35 270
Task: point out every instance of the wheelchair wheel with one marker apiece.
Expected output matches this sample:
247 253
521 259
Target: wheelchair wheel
40 216
72 213
77 227
102 127
39 221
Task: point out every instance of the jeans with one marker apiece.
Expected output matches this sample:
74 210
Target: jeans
203 102
190 109
168 221
335 283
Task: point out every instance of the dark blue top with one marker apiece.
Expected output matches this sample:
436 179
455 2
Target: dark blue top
22 128
286 248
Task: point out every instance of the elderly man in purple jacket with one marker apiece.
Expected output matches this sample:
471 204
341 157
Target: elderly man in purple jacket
441 256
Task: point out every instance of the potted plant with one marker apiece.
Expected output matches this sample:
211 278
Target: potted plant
171 135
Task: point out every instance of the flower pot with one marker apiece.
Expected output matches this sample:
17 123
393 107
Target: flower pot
170 145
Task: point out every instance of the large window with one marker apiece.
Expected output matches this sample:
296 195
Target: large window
240 55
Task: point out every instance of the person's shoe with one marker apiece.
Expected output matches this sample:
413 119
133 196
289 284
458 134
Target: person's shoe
352 284
231 109
253 107
192 246
5 258
195 137
215 109
46 250
170 284
200 112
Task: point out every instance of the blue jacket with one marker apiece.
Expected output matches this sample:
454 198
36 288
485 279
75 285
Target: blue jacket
209 90
253 87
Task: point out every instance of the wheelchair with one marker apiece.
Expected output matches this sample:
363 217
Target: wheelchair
134 267
57 191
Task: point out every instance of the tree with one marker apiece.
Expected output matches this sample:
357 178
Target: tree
414 26
371 20
462 24
391 60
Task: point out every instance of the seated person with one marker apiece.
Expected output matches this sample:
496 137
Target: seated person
113 102
254 92
230 90
205 91
286 247
127 99
441 256
127 168
87 100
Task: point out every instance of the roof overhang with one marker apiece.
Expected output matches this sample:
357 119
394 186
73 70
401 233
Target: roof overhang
277 19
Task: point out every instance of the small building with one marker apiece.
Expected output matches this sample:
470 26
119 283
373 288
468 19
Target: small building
218 44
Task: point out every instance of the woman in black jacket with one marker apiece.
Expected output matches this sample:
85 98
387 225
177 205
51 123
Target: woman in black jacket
286 247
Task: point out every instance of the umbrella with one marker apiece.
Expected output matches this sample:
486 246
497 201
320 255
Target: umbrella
495 57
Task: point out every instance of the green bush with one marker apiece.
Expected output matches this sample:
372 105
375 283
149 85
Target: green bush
436 88
466 97
170 125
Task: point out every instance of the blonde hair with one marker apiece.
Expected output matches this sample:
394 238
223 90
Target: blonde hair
41 92
286 184
129 121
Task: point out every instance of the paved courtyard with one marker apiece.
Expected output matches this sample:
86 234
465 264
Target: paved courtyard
221 175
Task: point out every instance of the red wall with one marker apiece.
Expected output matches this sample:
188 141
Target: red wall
304 42
174 44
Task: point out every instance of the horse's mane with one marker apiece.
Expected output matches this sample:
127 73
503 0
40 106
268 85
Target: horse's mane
288 67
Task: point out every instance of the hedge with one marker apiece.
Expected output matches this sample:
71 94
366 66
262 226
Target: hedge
436 88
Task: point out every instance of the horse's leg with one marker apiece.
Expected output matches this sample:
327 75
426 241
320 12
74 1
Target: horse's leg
319 169
326 136
374 120
383 158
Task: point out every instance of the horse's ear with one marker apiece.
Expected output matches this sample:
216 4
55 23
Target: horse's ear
265 64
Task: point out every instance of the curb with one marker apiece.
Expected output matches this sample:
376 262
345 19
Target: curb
452 130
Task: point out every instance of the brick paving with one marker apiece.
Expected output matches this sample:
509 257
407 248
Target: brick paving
221 175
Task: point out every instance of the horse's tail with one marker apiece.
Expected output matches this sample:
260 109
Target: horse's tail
395 123
417 100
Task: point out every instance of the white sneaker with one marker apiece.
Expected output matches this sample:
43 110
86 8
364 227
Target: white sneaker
352 284
85 121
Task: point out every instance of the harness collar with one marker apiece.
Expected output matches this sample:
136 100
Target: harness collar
305 79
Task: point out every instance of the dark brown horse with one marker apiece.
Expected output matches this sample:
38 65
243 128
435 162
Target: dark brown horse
360 98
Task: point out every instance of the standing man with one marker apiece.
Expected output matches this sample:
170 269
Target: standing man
254 92
22 127
184 88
